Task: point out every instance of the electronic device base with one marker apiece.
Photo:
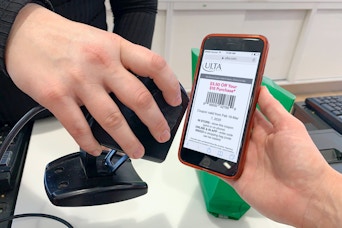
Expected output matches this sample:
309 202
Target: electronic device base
79 179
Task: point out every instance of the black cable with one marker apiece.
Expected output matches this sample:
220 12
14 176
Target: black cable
11 218
17 127
4 146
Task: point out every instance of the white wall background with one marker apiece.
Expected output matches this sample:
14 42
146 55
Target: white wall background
305 36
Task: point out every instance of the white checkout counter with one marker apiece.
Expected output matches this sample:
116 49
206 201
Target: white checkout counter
174 197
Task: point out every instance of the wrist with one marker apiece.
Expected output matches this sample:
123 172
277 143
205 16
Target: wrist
325 203
10 11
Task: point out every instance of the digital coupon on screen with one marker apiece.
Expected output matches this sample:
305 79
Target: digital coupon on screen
221 102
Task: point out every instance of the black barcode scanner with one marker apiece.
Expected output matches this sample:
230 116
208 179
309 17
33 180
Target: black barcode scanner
80 179
154 151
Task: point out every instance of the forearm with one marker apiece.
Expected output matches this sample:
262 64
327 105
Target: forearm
9 11
325 205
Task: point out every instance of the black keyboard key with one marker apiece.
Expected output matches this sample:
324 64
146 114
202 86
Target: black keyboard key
329 108
336 112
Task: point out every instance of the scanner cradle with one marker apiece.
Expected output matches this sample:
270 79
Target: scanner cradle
69 181
80 179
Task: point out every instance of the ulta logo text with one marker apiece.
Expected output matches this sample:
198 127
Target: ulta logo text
211 67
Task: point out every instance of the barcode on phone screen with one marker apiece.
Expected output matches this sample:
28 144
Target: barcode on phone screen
221 99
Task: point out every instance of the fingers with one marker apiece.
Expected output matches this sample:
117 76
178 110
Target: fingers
130 91
72 118
146 63
108 115
117 79
97 80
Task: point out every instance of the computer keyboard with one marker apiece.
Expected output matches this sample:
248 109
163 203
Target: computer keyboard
11 167
328 108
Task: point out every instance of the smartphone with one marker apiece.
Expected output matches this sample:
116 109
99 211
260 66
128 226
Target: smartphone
222 103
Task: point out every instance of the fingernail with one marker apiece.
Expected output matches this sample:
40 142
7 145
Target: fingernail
178 99
165 136
97 151
139 153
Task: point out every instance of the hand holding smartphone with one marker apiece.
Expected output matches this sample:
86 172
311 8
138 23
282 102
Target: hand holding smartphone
222 103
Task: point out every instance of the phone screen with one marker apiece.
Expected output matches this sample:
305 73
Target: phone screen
221 102
221 106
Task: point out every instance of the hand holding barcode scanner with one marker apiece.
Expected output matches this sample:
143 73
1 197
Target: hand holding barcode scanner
87 67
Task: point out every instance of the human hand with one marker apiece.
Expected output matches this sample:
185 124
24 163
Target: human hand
285 176
64 64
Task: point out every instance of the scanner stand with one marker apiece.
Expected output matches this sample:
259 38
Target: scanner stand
80 179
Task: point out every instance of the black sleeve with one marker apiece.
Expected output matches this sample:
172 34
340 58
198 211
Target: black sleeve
134 20
13 102
8 12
